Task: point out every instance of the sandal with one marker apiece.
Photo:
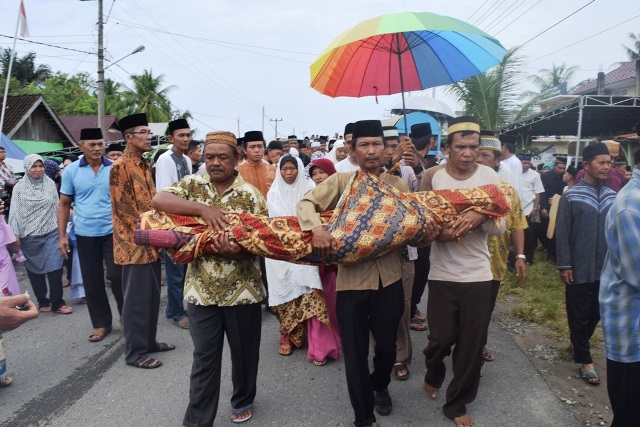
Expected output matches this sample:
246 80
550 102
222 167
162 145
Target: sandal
66 283
419 316
162 346
98 334
487 356
285 345
319 362
238 412
6 381
400 367
182 323
589 376
416 325
46 309
65 309
146 362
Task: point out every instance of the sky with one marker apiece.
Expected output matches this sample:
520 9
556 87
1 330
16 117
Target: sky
228 60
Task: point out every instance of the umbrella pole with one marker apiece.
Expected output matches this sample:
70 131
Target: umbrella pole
404 111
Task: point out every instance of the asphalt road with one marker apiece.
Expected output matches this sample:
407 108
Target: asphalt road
62 379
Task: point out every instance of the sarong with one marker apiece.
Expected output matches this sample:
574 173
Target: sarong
371 219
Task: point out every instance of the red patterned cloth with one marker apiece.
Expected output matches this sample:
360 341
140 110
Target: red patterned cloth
371 219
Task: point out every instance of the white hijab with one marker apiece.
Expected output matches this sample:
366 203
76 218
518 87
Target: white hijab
282 198
332 154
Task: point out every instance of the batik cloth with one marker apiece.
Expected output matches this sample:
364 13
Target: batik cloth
293 315
371 219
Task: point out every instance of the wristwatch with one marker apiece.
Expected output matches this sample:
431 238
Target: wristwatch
522 256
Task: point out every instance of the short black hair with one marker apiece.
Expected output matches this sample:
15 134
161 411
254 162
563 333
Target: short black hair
511 147
2 148
422 142
193 145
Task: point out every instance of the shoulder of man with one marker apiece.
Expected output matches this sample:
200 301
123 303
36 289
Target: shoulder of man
427 177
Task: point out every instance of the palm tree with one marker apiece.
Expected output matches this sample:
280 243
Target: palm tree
633 52
24 69
146 96
548 80
491 96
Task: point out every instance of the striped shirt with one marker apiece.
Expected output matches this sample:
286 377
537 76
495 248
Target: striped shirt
620 280
580 243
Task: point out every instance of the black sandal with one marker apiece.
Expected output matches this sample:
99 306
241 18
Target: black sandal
146 362
162 346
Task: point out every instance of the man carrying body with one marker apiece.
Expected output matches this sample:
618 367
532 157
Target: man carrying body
171 167
132 189
581 248
223 290
254 171
532 188
369 294
620 301
459 306
350 164
86 183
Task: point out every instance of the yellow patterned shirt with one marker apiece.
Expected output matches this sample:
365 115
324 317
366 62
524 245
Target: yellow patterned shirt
499 245
212 280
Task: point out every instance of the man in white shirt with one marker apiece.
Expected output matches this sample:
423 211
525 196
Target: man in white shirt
350 164
171 167
531 189
512 162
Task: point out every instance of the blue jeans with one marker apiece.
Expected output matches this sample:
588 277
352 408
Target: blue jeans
174 275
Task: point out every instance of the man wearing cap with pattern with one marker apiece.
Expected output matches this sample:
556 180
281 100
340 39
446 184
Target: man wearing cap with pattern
581 248
254 171
171 167
223 290
86 184
132 189
369 294
459 306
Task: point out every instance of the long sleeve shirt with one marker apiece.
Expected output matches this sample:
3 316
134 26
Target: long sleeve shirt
580 225
620 279
366 275
553 184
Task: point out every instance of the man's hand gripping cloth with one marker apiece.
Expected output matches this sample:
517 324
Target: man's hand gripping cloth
371 219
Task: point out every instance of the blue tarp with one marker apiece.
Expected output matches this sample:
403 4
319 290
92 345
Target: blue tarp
13 151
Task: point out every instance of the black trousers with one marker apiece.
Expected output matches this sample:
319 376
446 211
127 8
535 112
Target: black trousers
141 292
458 314
39 285
422 267
360 312
92 251
208 325
624 393
530 240
583 315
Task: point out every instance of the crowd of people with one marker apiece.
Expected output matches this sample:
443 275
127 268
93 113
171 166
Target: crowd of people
83 214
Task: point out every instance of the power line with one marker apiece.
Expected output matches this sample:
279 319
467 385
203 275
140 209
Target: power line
504 15
519 16
562 20
488 12
47 44
476 11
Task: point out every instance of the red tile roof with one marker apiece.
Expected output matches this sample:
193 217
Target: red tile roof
624 72
76 123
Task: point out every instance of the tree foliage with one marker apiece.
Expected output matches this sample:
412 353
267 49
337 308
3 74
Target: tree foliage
148 96
634 51
24 68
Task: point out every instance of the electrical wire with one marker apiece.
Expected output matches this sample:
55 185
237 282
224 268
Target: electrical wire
516 19
554 25
476 11
504 15
47 44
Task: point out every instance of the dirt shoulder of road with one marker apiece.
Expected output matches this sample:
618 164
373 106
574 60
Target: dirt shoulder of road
588 403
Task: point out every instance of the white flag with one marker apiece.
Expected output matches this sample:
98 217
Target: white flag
24 28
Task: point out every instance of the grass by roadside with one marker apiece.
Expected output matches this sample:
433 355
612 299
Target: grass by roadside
541 299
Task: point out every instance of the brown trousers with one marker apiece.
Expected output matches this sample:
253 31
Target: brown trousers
458 314
403 342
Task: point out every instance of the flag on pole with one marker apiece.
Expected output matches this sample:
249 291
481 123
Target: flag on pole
24 28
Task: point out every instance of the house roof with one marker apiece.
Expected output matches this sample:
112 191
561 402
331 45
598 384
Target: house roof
624 72
20 107
76 123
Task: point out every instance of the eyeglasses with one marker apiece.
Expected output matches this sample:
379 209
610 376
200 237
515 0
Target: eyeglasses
143 132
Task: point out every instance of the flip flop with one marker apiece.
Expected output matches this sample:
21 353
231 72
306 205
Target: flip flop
182 323
98 334
46 309
590 376
319 362
239 411
162 346
416 325
65 309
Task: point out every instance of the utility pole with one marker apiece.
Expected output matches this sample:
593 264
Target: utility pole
262 120
276 120
100 69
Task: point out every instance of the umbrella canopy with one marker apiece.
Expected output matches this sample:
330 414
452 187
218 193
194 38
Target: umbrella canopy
403 52
438 109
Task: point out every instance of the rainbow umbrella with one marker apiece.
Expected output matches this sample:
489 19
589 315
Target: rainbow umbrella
401 52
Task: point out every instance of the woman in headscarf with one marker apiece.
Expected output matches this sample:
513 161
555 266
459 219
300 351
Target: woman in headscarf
33 218
295 291
338 152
